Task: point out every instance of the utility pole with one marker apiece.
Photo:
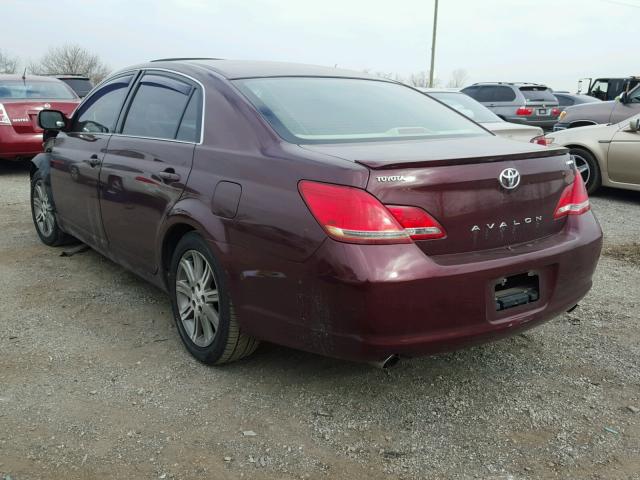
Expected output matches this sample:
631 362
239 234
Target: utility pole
433 44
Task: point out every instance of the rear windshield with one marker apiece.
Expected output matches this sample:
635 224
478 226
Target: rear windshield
538 94
330 110
466 106
19 89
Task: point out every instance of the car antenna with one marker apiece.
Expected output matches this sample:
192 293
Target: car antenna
24 75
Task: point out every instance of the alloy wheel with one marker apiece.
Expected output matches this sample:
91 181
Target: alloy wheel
583 167
197 298
42 209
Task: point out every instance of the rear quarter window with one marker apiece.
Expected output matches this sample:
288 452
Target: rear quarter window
503 94
564 101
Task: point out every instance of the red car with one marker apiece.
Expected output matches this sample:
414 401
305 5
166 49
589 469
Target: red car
21 99
322 209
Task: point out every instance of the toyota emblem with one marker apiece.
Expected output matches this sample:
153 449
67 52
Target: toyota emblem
509 178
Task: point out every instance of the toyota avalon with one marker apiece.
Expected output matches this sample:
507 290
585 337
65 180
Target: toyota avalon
317 208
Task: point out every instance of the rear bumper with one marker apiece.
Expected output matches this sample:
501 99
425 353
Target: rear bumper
17 145
367 302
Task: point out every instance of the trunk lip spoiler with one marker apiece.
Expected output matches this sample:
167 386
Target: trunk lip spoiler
375 165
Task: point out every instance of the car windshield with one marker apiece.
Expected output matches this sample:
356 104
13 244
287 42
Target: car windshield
466 106
330 110
538 94
34 89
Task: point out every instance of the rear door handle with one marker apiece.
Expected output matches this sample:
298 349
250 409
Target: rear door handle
169 175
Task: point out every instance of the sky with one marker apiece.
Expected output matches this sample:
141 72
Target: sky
555 42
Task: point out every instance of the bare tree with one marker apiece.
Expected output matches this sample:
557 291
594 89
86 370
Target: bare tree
71 59
8 64
458 78
421 79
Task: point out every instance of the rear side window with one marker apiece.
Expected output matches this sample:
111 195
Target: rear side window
100 112
538 94
564 101
158 107
81 86
503 94
189 130
484 94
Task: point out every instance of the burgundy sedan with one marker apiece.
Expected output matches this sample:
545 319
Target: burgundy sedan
21 99
317 208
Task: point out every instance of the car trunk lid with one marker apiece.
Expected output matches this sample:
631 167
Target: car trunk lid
457 182
23 114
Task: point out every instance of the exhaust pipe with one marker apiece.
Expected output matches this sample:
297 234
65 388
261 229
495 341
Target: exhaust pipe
388 362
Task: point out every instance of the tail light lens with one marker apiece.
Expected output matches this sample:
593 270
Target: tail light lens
4 118
574 199
555 112
542 140
524 111
351 215
418 224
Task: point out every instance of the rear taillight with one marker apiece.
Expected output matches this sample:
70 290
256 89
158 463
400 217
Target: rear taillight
574 199
4 118
351 215
418 224
524 111
555 112
542 140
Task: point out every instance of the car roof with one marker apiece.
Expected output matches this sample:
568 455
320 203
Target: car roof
513 84
235 69
70 75
27 78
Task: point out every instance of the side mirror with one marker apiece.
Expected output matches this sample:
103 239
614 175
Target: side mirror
634 125
51 120
622 98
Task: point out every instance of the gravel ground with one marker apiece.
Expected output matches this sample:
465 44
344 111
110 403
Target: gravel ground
94 383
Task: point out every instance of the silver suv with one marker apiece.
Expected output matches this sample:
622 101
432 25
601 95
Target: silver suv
526 103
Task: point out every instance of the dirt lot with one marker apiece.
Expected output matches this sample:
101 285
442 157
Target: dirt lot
94 383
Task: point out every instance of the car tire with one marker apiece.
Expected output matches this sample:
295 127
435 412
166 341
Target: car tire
588 167
202 308
43 213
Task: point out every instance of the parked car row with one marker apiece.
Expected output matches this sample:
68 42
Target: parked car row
607 154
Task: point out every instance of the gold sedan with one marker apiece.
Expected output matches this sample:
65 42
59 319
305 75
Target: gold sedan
606 155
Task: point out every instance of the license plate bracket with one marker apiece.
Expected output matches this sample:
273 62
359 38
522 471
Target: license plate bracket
516 290
542 111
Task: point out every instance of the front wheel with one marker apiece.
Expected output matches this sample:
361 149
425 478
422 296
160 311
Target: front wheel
588 167
201 305
43 214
